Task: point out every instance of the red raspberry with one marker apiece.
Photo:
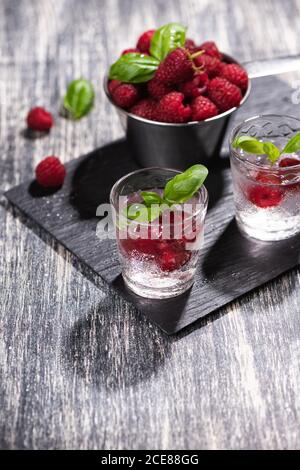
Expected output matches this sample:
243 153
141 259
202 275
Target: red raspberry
288 161
172 109
171 260
211 49
38 119
224 94
177 67
127 51
189 44
235 74
125 95
203 108
157 89
211 65
144 108
269 194
195 87
144 40
50 172
112 85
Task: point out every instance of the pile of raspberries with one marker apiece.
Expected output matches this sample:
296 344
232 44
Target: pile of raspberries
186 86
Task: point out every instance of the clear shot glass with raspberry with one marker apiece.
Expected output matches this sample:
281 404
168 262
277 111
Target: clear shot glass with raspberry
159 244
265 166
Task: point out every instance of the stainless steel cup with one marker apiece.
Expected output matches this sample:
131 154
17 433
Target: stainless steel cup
181 145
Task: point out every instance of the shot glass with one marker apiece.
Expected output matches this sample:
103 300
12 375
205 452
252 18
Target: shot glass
266 195
158 257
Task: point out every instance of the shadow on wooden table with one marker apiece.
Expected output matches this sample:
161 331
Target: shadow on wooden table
113 348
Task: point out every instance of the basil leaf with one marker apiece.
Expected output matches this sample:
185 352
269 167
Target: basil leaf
293 144
141 213
79 98
184 185
166 39
151 198
249 144
272 151
133 68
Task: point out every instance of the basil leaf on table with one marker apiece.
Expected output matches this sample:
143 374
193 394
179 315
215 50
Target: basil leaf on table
79 98
166 39
133 68
293 144
184 185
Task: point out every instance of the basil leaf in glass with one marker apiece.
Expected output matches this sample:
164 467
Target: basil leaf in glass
249 144
293 144
272 151
184 185
141 213
151 197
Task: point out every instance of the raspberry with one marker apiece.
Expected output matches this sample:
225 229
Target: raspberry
144 108
38 119
195 87
125 95
211 49
172 109
235 74
211 65
224 94
157 89
203 108
189 44
265 195
50 172
288 161
171 259
127 51
112 85
177 67
144 40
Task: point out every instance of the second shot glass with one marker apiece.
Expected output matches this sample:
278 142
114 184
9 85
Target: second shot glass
266 195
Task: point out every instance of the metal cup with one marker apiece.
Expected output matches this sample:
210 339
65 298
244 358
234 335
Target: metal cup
174 145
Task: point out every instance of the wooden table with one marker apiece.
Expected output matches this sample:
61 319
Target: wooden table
80 368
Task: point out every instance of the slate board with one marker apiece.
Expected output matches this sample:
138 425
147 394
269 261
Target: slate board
231 265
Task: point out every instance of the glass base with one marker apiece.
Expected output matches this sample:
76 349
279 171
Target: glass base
266 235
151 292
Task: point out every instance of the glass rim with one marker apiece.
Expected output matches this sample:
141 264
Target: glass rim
269 169
202 190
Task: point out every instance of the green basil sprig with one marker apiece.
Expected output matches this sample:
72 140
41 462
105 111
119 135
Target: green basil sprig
178 190
184 185
142 213
293 144
79 98
252 145
138 68
134 68
166 39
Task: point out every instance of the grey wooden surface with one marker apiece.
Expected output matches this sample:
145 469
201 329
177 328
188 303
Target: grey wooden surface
79 368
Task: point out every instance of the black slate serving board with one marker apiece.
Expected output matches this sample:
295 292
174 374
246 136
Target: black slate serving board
230 266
